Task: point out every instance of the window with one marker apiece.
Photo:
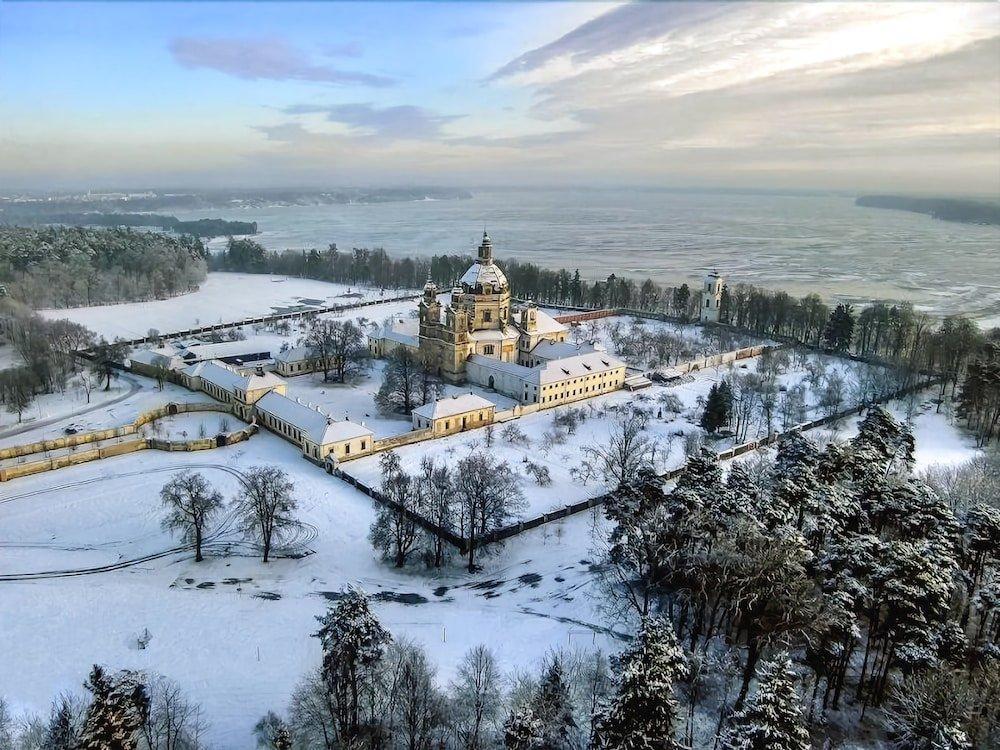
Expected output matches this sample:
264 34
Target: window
363 445
487 348
347 448
487 316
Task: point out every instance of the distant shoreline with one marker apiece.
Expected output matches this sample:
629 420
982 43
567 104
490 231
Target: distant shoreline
960 210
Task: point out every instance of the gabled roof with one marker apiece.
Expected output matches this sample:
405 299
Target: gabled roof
544 323
230 379
295 354
591 363
315 425
452 405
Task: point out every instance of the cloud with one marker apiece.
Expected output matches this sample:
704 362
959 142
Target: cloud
344 49
263 58
403 121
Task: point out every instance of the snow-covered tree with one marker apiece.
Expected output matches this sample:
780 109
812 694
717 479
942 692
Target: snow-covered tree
476 698
553 709
772 717
118 707
522 731
643 712
353 644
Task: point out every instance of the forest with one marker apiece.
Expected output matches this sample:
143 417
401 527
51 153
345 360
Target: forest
825 596
58 266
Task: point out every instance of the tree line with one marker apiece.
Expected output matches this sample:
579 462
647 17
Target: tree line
74 266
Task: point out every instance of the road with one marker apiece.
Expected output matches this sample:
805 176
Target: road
134 387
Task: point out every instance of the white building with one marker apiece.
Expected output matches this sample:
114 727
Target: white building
317 434
550 383
230 386
454 413
711 298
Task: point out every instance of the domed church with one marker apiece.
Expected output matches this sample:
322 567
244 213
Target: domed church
479 320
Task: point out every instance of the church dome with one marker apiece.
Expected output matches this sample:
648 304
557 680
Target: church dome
484 273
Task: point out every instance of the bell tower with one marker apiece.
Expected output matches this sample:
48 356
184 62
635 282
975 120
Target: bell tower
711 298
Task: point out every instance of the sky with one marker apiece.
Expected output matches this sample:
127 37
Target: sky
821 95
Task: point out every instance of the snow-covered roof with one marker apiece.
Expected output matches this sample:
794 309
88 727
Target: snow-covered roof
401 330
315 425
509 333
162 357
295 354
548 350
200 352
452 405
573 367
544 323
484 274
591 363
230 379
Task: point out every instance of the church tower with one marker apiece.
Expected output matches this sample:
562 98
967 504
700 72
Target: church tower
711 298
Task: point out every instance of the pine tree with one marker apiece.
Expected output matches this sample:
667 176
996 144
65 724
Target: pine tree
839 331
61 733
353 644
717 406
794 481
554 710
522 731
118 708
643 711
772 717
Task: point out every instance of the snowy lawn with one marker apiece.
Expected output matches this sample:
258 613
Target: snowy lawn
233 631
222 297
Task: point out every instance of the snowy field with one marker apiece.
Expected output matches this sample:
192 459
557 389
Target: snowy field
564 460
530 598
222 297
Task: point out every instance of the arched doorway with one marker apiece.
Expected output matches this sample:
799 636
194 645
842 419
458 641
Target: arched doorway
492 384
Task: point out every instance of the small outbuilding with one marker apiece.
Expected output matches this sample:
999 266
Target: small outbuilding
454 414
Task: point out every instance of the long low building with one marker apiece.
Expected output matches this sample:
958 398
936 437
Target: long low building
454 414
317 434
551 383
230 386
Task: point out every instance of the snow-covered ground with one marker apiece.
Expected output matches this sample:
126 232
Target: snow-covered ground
233 631
140 394
222 297
46 407
564 460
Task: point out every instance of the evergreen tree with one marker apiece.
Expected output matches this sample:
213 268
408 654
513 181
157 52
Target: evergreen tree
554 710
353 644
839 331
117 709
61 732
522 731
772 718
794 482
643 711
717 407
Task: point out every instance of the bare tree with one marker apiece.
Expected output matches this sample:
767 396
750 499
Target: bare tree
489 492
394 531
173 722
266 506
627 450
339 346
476 694
191 504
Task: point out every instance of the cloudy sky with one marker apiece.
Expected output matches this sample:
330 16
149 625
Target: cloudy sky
891 96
